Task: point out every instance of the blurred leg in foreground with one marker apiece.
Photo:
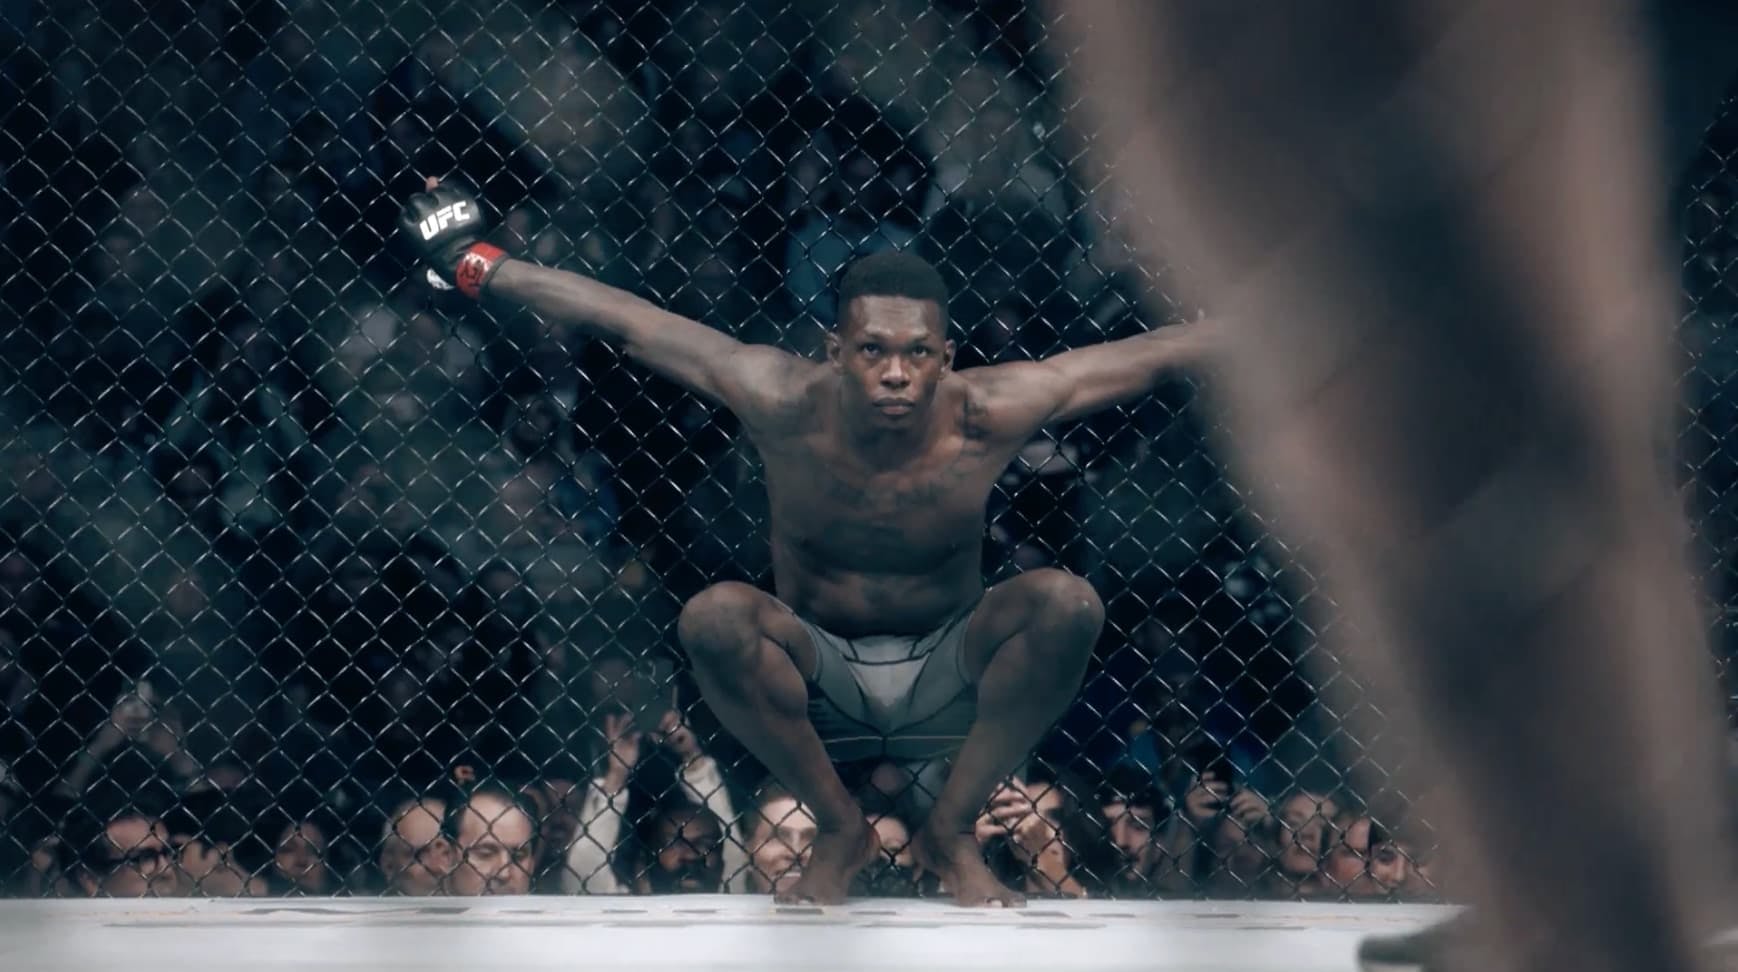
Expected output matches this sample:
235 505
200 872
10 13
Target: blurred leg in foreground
1434 230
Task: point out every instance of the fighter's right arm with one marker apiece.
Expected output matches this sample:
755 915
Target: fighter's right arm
445 224
706 361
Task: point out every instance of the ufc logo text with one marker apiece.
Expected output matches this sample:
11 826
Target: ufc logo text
442 218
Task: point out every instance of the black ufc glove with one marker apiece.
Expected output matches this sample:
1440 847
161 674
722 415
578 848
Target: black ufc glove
445 226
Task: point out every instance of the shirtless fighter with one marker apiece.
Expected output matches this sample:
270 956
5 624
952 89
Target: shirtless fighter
882 642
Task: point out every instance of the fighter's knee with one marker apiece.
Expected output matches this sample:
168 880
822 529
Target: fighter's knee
1067 597
721 619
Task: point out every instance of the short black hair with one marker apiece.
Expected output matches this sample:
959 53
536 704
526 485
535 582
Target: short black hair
892 273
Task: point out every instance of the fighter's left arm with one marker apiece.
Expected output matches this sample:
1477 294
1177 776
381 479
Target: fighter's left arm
1085 380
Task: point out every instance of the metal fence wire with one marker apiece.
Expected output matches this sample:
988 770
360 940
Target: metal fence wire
317 580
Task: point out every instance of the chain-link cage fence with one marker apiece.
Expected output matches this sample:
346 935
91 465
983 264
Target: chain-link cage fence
317 580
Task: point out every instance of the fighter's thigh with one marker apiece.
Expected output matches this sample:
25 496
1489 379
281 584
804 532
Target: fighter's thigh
730 618
1045 595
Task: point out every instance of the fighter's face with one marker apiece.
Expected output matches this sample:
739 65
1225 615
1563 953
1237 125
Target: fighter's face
892 353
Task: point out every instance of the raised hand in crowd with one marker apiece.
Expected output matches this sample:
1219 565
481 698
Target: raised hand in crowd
1006 812
623 739
1028 816
137 717
675 735
1206 799
1249 811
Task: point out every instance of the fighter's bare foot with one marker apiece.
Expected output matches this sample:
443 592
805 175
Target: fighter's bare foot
958 861
835 858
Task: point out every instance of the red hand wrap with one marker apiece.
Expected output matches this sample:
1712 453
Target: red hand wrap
476 267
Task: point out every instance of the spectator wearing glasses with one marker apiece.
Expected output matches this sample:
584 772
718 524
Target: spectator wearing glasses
123 852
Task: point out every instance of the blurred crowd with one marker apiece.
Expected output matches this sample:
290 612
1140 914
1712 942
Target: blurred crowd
316 581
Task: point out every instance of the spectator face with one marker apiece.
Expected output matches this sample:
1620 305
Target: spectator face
136 861
207 871
1133 832
1303 829
301 858
892 353
1346 857
689 854
780 843
1039 841
895 839
1044 827
496 847
1389 868
1365 863
893 874
414 857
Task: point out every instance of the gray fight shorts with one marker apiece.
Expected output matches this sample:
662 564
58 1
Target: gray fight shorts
899 698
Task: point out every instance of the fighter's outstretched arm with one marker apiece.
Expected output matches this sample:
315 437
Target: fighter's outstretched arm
445 225
704 360
1085 380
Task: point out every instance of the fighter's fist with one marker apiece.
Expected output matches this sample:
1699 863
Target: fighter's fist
445 226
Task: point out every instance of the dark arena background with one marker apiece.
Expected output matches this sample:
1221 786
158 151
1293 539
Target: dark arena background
297 552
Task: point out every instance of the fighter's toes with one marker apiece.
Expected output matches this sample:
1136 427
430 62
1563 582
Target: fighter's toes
1001 897
796 896
959 862
836 857
812 890
984 891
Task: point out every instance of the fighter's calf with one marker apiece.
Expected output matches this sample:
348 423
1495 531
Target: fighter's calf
749 657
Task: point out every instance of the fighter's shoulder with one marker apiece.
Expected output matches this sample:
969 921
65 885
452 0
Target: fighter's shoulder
773 367
1005 396
1009 380
778 386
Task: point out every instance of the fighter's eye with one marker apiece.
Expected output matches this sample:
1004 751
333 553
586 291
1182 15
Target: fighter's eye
871 349
920 352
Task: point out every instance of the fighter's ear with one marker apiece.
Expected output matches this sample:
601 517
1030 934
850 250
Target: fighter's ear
947 352
835 350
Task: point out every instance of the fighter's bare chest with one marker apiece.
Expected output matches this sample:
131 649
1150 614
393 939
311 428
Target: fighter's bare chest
853 517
